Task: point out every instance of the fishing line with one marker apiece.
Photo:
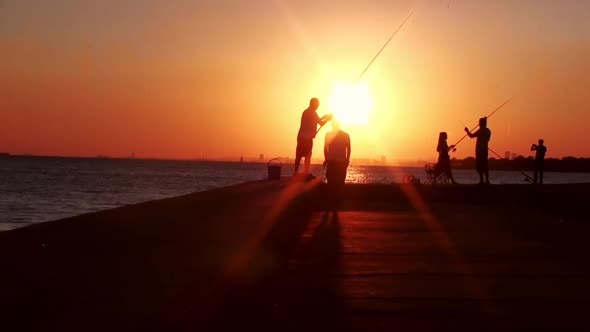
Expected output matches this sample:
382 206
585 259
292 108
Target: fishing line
385 45
528 178
377 55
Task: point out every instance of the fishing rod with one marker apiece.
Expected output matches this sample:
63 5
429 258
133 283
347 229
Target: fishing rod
376 56
452 148
382 48
527 178
496 110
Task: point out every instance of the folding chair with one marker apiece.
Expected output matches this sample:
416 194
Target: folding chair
435 175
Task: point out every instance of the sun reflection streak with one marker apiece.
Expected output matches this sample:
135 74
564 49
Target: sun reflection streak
444 241
356 175
293 190
236 265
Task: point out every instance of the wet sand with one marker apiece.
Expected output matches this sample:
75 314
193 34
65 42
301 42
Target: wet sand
265 256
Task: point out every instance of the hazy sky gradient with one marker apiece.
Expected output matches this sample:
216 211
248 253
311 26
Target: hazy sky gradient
191 79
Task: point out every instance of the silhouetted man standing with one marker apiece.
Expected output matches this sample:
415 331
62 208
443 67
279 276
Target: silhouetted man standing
540 149
483 135
336 160
307 131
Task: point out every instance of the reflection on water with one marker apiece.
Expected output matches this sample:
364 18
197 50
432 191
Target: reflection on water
357 175
382 174
41 189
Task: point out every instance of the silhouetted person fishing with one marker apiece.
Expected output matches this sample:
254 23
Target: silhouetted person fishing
444 160
540 149
336 160
483 135
307 131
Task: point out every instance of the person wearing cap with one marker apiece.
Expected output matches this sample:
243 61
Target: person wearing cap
483 135
307 131
540 149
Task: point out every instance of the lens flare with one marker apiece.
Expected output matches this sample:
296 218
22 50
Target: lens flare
351 102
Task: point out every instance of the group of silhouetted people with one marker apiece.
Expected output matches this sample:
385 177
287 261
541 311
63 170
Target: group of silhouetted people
483 135
337 151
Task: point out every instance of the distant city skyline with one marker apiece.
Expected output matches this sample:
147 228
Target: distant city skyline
261 159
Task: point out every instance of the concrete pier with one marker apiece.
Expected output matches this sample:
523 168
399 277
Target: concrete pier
265 256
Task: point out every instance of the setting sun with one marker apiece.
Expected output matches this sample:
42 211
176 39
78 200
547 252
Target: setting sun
351 102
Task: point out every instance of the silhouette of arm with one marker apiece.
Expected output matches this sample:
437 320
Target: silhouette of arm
443 147
470 134
326 139
534 147
348 151
322 121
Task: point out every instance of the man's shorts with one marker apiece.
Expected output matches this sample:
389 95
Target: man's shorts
304 147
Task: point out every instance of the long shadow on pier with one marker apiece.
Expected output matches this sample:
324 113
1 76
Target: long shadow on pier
288 269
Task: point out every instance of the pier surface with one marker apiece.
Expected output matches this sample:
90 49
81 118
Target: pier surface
265 256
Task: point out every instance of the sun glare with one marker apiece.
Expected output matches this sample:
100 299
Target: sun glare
351 102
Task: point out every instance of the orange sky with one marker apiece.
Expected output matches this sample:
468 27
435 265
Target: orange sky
192 79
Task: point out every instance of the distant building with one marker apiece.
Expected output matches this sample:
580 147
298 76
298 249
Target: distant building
383 160
361 161
261 157
513 156
507 155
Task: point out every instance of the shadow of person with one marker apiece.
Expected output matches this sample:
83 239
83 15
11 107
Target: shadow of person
317 274
325 245
282 287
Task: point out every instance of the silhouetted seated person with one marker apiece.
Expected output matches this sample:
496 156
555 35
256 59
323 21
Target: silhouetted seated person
540 149
483 135
307 131
336 160
444 160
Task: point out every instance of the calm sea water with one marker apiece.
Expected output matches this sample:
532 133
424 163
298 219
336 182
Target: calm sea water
35 190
